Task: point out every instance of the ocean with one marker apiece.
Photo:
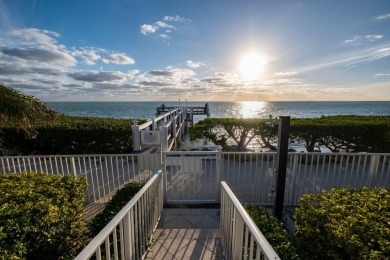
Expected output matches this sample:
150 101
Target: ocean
147 110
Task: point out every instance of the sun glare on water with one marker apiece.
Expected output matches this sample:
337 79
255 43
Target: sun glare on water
252 109
252 65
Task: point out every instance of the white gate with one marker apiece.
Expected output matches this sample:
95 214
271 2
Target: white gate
191 177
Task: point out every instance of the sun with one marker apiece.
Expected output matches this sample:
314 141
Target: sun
252 65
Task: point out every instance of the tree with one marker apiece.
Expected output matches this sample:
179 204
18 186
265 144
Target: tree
21 111
236 134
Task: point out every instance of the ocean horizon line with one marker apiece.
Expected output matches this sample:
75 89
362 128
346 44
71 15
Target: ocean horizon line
199 101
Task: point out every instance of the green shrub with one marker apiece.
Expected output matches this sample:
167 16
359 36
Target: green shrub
40 215
273 230
345 224
118 201
343 133
72 135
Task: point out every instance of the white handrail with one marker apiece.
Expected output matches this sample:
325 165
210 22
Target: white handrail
123 221
234 219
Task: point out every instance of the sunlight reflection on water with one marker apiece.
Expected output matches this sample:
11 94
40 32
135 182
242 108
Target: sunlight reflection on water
252 109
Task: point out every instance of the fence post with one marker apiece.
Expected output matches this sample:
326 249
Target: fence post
173 120
178 122
164 176
284 125
127 235
164 138
373 170
294 178
136 137
73 166
219 171
4 166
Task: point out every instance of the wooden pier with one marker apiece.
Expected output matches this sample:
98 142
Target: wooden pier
166 130
190 112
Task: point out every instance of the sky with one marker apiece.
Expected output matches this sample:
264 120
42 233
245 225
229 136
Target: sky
199 50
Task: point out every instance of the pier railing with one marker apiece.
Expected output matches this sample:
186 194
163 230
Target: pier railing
168 130
128 234
240 237
105 173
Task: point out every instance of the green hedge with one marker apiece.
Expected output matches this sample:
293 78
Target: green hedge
336 133
273 230
345 224
118 201
72 135
41 215
344 133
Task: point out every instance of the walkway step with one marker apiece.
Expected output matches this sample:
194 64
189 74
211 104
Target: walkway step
187 234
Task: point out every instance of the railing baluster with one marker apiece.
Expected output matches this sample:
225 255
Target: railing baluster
122 239
107 245
115 242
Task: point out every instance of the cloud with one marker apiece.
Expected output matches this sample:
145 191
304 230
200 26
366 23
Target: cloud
350 58
97 76
373 38
222 79
114 86
29 86
33 36
89 56
155 83
287 73
290 81
383 17
92 55
358 39
148 29
163 25
193 64
52 56
176 18
164 78
48 81
6 69
382 74
161 73
118 58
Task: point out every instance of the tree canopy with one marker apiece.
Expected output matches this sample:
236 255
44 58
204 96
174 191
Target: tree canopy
334 133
